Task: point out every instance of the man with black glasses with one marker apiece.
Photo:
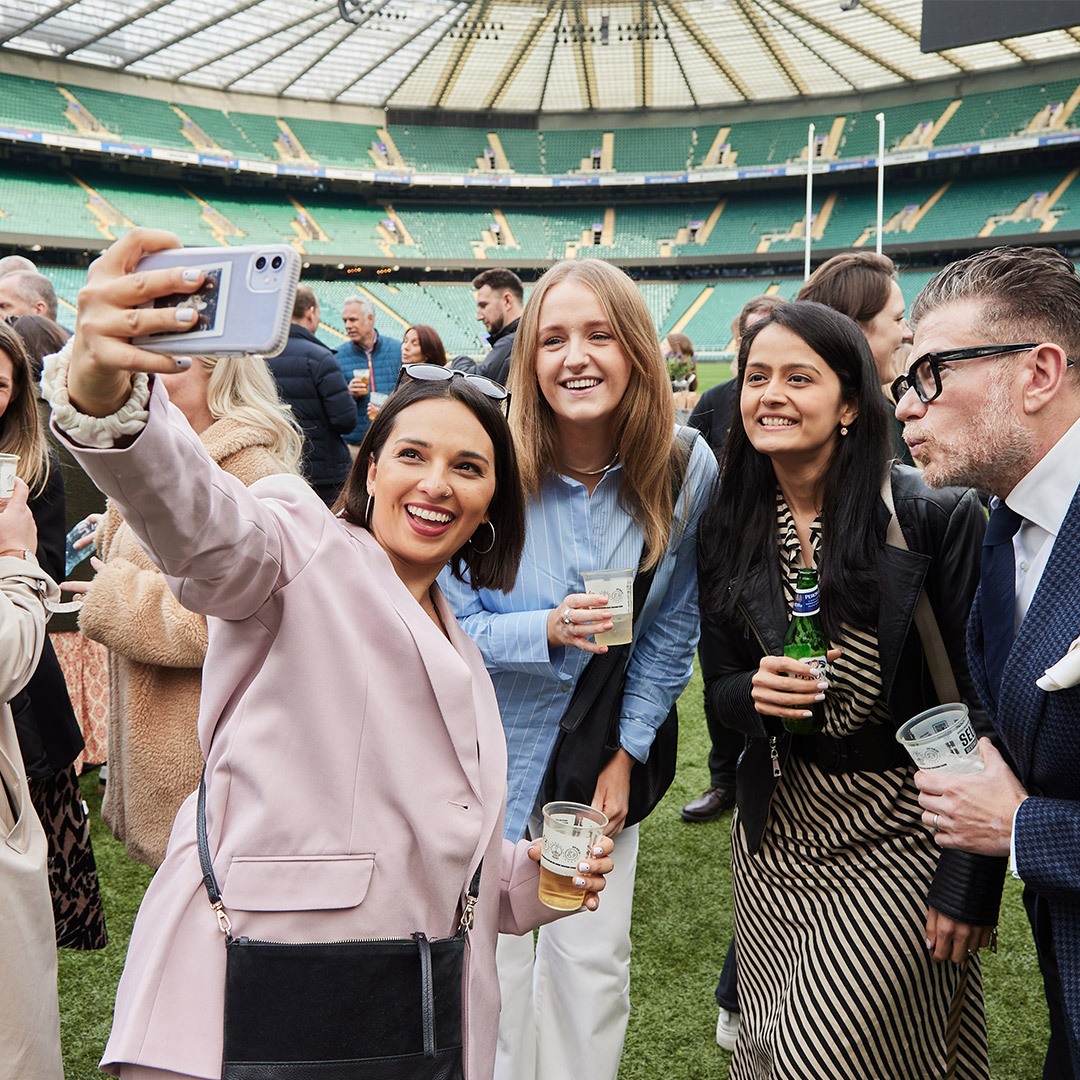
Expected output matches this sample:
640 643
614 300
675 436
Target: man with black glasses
992 401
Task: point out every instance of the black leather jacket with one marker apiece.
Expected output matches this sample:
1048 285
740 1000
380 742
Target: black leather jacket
943 530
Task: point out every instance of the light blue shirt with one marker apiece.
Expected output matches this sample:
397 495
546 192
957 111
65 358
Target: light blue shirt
568 532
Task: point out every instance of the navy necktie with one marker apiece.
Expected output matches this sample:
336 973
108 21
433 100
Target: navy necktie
998 582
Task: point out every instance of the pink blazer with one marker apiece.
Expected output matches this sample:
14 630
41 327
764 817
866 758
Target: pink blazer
356 767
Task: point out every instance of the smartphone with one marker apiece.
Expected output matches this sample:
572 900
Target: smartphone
244 304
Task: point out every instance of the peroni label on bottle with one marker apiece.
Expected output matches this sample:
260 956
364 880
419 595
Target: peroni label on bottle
806 602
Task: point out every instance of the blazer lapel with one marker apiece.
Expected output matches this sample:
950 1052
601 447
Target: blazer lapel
450 675
1049 627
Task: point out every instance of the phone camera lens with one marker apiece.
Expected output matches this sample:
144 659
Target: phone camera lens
260 263
276 262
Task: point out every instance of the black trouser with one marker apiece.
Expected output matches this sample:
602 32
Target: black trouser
1059 1060
727 744
727 989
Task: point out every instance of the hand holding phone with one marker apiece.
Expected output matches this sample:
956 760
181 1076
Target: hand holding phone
116 311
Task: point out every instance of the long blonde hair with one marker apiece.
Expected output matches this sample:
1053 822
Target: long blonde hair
242 388
21 430
644 418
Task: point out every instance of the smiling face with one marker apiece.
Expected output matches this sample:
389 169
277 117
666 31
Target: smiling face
791 404
886 332
580 366
432 484
411 352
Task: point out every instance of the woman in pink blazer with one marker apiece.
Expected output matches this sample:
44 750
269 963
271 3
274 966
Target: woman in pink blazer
355 763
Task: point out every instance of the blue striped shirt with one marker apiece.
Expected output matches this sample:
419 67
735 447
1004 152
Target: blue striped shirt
568 532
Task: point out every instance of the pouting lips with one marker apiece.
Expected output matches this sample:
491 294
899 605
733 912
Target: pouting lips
437 517
581 384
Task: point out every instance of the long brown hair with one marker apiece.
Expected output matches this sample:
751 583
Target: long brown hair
431 346
644 419
20 427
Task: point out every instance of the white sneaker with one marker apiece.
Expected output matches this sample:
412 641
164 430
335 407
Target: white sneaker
727 1029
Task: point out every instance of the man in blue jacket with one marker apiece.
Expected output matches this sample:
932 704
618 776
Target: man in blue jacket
369 362
992 401
309 379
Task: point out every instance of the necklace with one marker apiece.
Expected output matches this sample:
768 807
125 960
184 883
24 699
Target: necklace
594 472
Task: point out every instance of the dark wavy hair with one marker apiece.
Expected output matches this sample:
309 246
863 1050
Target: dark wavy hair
738 529
431 346
494 569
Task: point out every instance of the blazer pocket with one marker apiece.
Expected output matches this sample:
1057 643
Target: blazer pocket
297 882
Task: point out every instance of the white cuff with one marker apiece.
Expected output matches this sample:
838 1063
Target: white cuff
98 432
1012 848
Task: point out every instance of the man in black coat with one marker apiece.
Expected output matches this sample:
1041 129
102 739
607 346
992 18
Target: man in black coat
499 297
309 379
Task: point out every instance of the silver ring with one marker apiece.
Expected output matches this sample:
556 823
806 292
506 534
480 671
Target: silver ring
567 621
934 824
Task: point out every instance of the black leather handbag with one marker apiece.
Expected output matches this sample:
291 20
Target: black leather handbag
589 730
388 1009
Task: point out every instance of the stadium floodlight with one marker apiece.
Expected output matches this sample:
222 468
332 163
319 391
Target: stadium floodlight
353 10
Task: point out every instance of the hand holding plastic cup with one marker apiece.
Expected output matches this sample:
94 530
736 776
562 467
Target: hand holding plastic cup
942 740
571 831
9 465
618 587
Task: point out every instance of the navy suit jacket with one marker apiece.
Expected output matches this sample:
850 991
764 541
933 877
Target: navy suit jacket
1040 732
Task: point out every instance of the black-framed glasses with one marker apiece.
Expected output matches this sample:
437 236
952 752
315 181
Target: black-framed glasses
924 376
436 373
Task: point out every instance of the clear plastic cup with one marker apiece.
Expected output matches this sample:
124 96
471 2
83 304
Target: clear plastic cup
942 740
9 465
618 587
571 831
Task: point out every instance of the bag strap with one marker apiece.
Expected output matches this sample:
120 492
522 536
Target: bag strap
214 895
937 658
595 673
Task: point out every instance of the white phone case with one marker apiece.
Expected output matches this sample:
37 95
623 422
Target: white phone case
244 304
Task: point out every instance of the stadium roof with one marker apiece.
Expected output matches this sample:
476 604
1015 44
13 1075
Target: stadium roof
514 55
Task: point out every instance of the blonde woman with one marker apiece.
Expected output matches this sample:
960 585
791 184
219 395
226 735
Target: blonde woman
156 647
593 419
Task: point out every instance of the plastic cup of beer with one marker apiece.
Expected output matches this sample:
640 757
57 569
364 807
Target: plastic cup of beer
571 831
9 465
942 740
618 587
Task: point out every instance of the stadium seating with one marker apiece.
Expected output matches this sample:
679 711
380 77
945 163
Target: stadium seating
39 105
32 103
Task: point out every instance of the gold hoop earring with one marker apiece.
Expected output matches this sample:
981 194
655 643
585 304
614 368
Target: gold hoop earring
490 546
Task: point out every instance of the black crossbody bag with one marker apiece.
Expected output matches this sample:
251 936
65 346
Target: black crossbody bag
589 730
386 1009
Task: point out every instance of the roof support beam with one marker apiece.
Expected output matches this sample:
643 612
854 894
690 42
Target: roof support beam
44 17
763 32
524 48
701 39
674 52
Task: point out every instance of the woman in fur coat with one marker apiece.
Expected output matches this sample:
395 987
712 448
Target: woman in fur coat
156 647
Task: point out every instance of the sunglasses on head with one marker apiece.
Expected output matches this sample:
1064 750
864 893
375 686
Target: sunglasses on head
435 373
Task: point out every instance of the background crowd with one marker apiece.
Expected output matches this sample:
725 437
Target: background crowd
278 495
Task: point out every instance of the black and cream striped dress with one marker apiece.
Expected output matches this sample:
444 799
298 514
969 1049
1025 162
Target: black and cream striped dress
835 980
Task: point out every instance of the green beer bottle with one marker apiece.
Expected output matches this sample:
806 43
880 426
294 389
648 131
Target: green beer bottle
806 641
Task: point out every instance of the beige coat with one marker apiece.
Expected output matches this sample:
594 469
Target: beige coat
156 650
29 1015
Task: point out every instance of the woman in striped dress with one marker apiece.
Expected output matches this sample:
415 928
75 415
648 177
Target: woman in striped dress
857 939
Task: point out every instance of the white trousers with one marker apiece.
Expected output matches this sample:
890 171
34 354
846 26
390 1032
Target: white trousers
564 1010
